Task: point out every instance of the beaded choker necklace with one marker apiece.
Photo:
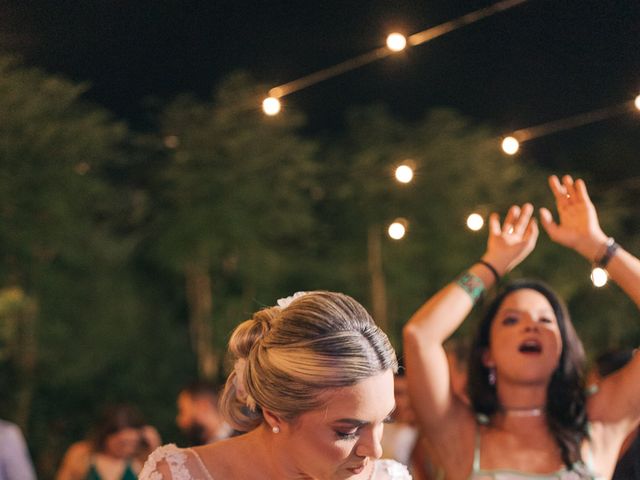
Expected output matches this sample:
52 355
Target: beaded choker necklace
523 412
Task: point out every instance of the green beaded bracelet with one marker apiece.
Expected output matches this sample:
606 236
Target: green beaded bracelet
472 284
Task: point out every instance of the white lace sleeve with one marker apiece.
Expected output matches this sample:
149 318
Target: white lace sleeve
390 470
171 456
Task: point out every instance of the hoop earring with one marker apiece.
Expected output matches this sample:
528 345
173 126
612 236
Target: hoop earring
492 376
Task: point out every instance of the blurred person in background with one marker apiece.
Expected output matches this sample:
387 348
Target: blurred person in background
15 462
198 416
115 450
401 435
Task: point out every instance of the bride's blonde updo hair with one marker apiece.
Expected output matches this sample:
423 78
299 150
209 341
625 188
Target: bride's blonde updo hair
287 356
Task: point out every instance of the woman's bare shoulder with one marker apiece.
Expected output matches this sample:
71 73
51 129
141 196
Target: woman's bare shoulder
80 449
225 458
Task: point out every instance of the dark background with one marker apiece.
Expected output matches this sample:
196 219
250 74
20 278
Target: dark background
537 62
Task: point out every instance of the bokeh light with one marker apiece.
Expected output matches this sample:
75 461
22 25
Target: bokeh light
396 42
599 277
82 168
475 222
510 145
637 102
171 141
404 173
398 229
271 106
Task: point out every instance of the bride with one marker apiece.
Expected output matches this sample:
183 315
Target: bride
312 387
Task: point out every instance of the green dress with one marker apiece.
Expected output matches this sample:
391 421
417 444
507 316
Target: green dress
128 473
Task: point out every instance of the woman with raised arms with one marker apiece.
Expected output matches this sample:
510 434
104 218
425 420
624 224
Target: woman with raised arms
529 416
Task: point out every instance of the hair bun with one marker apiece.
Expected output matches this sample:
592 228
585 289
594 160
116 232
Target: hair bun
251 331
287 356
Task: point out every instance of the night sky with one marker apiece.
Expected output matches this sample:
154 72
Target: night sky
541 61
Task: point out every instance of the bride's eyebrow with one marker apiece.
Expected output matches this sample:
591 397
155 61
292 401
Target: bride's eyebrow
351 421
359 423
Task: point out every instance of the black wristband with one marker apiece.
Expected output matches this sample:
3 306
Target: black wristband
493 270
612 247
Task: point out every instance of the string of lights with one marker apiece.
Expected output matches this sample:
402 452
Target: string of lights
404 173
511 143
396 42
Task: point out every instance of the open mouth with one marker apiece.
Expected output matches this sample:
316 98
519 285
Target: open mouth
530 346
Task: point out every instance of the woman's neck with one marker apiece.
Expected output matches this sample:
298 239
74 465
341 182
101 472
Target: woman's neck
265 454
522 398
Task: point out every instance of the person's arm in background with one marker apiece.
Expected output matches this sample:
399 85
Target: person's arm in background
15 461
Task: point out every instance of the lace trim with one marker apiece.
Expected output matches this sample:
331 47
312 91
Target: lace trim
393 470
177 458
174 457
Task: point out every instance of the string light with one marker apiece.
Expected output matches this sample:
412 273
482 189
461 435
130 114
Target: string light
599 277
475 222
271 106
510 145
398 228
404 173
396 42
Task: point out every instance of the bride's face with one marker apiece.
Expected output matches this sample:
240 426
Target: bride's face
340 440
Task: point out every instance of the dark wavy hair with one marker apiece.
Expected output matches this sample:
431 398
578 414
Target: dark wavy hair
566 398
113 419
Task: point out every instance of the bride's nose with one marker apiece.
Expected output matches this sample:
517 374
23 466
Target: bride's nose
370 445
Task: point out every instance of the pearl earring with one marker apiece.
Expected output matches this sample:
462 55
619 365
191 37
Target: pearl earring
276 429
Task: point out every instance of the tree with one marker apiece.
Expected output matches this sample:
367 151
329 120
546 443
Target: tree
459 170
63 254
233 206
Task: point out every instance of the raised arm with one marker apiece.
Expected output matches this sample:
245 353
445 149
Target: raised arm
424 334
578 228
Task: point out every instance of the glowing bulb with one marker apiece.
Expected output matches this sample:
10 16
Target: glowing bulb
510 145
404 173
599 277
396 42
82 168
475 222
398 228
171 141
637 102
271 106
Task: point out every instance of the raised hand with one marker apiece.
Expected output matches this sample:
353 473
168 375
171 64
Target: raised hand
578 226
512 242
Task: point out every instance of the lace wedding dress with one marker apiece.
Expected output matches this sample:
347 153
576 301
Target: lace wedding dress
185 464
